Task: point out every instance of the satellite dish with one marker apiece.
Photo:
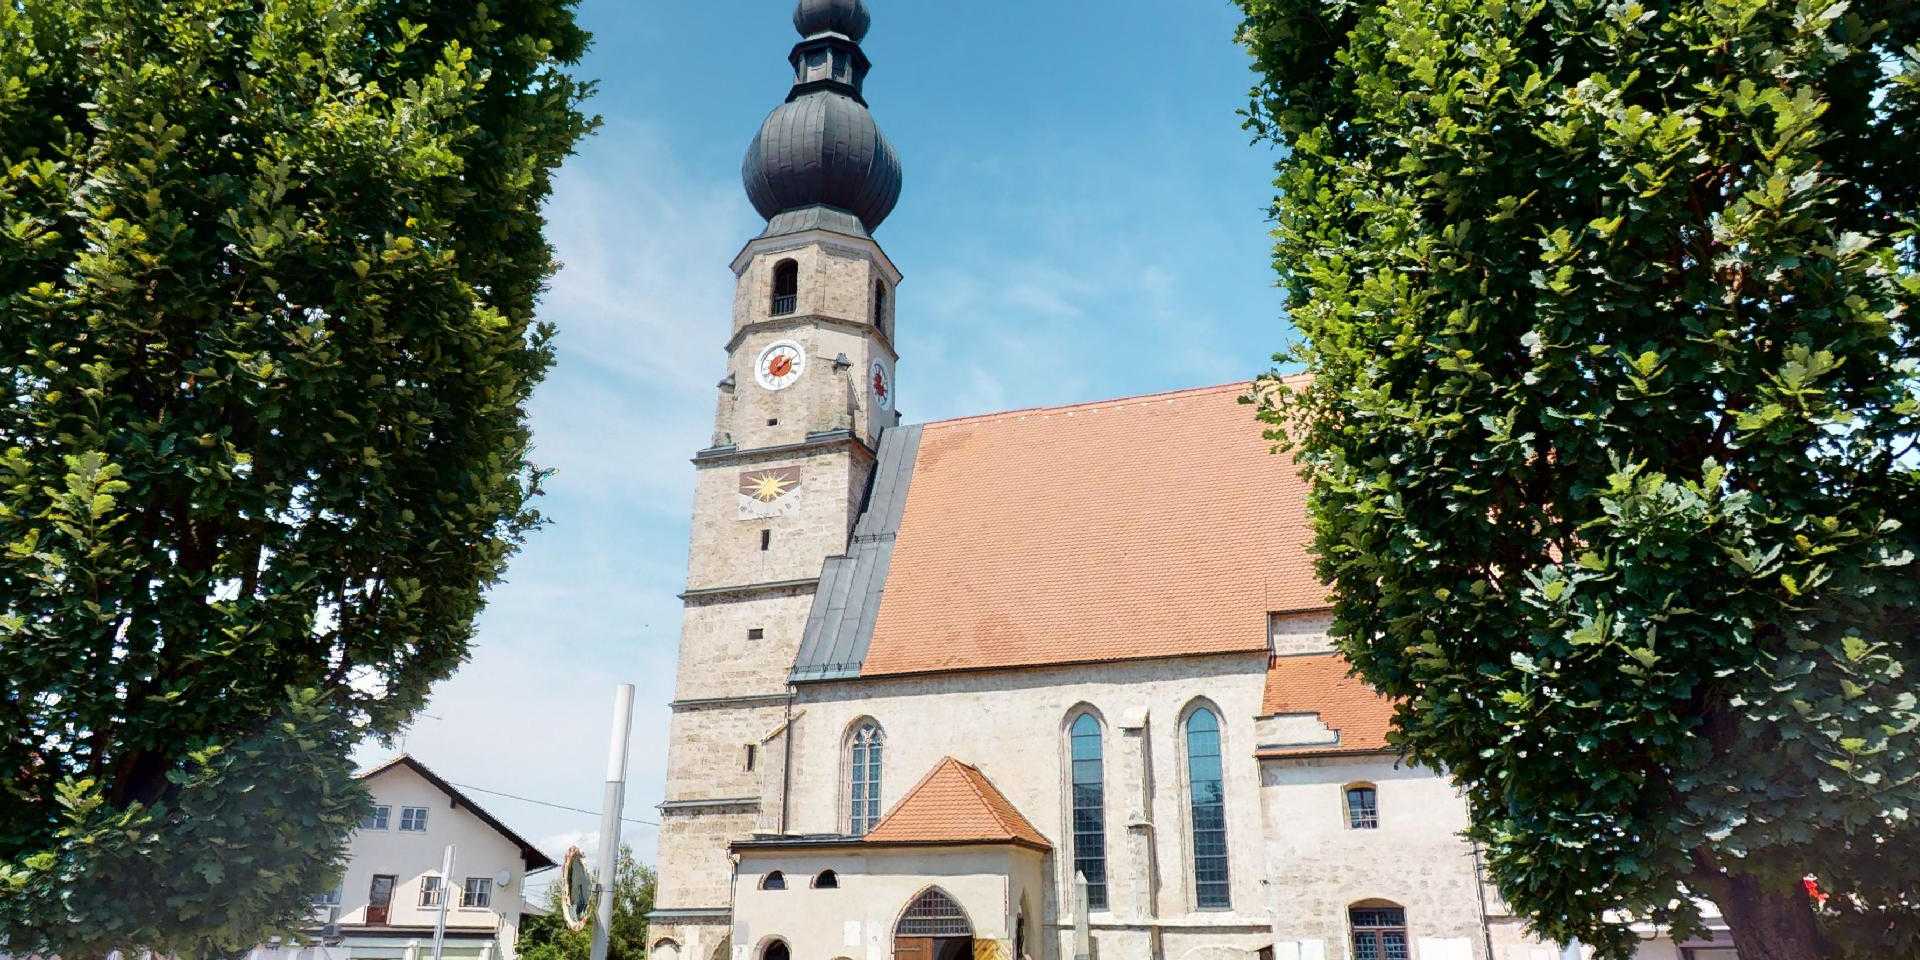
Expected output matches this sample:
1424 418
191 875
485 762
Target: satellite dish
577 904
503 879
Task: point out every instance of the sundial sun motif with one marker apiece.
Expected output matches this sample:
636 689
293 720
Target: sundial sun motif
768 487
765 492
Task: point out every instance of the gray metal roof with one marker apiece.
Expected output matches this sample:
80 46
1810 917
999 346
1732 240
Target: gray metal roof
821 148
847 603
849 17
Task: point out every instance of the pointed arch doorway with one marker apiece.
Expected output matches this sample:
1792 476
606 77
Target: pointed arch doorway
933 927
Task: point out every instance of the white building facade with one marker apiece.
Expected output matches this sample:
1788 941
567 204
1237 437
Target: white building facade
388 903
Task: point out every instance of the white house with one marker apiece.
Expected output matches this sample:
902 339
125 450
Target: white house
386 905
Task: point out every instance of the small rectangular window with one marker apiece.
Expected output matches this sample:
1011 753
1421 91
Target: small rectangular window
377 818
756 634
413 819
766 540
478 893
751 750
429 891
1363 808
773 421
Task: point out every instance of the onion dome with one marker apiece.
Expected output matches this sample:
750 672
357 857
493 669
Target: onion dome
821 149
847 17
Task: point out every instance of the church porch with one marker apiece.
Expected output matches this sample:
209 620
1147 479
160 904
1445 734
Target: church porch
844 898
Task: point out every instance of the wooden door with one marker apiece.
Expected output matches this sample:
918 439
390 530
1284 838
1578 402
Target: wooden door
380 900
912 948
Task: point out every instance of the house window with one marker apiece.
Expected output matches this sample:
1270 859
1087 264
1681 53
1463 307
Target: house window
1379 933
413 819
827 880
1208 810
786 287
774 881
863 767
756 633
1089 809
1363 808
331 898
477 894
377 818
429 891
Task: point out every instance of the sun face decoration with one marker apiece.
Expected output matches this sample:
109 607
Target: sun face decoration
768 487
767 492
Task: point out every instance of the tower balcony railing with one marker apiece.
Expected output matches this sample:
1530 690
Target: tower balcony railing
785 305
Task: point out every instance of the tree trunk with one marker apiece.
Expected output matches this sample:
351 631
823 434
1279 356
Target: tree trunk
1770 923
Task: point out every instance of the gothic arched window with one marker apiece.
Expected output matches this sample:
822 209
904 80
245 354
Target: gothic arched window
864 751
1207 811
786 287
826 880
774 881
1089 808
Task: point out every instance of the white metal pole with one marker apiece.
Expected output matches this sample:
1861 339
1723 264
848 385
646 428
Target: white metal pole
446 893
612 805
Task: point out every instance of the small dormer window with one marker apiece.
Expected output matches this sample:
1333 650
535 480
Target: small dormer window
786 287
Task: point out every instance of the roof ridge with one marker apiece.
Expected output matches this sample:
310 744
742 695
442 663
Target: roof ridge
907 797
1110 402
974 783
980 780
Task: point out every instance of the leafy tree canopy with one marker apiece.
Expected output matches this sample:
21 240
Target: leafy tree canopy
1609 311
267 281
634 885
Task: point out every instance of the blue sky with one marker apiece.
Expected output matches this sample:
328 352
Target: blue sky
1083 218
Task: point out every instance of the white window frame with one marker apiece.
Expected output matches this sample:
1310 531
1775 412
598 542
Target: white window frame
482 885
417 816
431 890
378 818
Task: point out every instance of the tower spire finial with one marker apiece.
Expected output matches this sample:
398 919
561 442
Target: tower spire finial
821 149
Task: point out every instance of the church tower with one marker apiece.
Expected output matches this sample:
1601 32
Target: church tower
808 389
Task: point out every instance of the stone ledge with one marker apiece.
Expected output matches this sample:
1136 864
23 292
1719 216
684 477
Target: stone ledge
709 806
829 440
770 586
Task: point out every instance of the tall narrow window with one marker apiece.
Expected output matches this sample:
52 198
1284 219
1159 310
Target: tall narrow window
1363 808
1208 811
1379 933
864 778
786 287
880 305
1089 809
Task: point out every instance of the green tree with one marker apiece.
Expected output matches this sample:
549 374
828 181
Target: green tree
268 271
547 937
1609 307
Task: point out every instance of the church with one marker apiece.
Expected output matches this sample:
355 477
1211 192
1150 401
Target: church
1047 683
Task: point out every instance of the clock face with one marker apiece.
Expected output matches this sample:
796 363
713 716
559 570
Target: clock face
780 365
882 387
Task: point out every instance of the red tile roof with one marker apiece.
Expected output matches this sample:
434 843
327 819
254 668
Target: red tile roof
1145 527
1320 684
955 803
